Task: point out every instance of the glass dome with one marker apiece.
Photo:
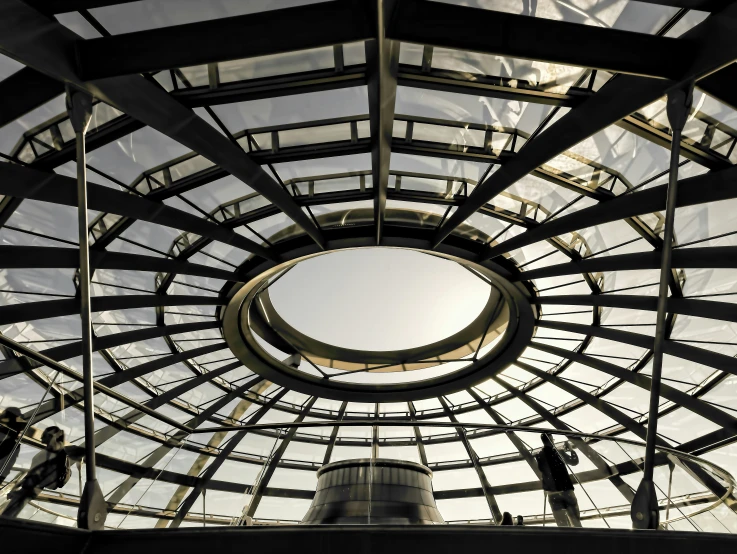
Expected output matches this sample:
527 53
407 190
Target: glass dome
338 226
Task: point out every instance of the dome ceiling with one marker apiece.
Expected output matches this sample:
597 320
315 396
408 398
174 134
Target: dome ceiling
221 172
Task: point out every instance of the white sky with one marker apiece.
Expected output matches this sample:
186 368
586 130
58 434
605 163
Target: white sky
379 298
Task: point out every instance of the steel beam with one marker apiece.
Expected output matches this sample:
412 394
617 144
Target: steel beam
723 311
24 91
54 257
233 442
701 356
710 187
496 513
512 436
678 397
304 27
614 101
71 350
334 435
601 464
382 61
29 311
157 455
48 46
722 257
418 434
26 183
276 458
504 34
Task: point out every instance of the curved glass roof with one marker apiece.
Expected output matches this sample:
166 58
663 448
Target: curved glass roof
212 163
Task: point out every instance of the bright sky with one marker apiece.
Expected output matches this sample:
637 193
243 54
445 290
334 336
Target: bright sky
379 298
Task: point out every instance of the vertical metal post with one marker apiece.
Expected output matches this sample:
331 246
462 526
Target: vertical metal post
375 434
92 510
645 511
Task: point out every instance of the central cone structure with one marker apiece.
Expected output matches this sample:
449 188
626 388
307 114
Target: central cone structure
379 491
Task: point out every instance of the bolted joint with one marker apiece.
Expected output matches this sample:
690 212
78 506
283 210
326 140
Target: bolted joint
92 507
679 104
645 511
79 107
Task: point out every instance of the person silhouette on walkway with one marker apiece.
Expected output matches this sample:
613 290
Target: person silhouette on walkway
50 469
11 426
557 483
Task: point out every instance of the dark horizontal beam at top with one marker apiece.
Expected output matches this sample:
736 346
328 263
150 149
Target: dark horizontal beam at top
709 187
51 7
65 6
535 38
230 38
24 91
723 257
23 182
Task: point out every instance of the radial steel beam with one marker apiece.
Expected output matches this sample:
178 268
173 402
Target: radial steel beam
723 311
276 458
310 26
382 61
334 435
601 464
72 398
722 257
496 513
614 101
418 433
157 455
54 257
702 356
504 34
233 442
26 183
678 397
59 353
512 436
701 189
48 46
24 91
29 311
645 510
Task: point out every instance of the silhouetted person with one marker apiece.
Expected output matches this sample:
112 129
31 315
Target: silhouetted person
49 470
520 521
507 519
11 425
557 483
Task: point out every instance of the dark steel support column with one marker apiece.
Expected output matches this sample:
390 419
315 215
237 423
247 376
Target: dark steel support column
92 510
645 511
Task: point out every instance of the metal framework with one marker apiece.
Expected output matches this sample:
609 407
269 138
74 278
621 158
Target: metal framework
143 80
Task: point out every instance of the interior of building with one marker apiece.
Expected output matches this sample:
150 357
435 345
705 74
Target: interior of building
368 274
